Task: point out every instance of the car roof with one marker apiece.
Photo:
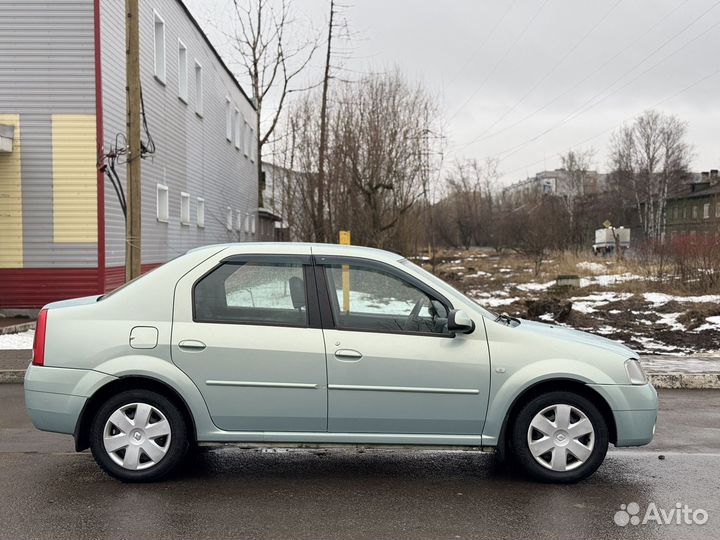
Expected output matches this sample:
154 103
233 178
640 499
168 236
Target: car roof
303 247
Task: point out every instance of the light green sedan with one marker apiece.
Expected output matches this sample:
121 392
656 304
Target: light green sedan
313 344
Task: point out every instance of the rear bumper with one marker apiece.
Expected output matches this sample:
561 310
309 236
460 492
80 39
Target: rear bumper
54 412
634 409
55 397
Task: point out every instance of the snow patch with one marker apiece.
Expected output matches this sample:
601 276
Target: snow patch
595 268
21 340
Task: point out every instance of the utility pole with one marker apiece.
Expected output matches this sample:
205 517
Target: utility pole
320 232
132 73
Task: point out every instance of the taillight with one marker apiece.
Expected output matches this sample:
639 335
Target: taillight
39 340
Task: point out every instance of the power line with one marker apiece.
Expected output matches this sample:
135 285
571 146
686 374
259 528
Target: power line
600 134
554 68
500 60
485 41
586 107
482 137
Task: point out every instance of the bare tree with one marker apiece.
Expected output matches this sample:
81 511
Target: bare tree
272 58
534 228
577 165
380 154
470 203
650 159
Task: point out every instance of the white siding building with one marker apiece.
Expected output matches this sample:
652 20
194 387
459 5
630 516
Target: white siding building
62 96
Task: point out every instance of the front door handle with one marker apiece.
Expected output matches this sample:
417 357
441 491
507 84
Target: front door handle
191 345
348 354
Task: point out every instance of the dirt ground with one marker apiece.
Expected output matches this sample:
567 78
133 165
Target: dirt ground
613 299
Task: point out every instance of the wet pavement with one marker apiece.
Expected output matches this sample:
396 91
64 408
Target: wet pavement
48 491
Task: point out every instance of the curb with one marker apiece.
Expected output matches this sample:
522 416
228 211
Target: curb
689 381
17 328
696 381
12 376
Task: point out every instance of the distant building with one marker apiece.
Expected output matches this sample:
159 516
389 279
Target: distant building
696 211
557 182
62 105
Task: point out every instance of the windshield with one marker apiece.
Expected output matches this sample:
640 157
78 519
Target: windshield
440 283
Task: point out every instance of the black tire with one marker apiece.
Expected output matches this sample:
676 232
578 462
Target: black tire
519 438
177 446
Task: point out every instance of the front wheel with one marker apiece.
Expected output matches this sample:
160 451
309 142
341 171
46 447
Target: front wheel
138 436
560 437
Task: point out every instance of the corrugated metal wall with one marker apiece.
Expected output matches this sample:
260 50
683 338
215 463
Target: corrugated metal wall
47 75
46 69
193 155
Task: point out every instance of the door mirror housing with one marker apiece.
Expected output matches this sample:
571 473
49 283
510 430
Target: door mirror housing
459 321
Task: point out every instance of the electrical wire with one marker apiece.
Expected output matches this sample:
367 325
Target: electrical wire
484 42
117 155
500 60
559 96
605 131
554 68
587 105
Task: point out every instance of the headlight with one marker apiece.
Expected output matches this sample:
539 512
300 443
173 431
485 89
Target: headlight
634 371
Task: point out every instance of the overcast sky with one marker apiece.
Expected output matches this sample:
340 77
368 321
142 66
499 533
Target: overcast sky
525 80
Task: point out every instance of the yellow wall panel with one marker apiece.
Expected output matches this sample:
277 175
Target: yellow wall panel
11 223
74 178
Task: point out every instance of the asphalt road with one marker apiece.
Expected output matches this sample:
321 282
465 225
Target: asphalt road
48 491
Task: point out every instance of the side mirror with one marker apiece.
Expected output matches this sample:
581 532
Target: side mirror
459 321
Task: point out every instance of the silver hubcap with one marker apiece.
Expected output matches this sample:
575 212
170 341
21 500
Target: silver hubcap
137 436
561 437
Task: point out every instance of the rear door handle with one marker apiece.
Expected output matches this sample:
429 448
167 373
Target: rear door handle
348 355
191 345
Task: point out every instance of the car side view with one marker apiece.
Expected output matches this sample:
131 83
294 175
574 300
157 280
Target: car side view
315 344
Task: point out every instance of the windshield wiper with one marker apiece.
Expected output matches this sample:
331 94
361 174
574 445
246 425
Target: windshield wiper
507 319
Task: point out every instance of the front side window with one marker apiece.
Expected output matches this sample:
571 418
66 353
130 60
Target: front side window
263 293
365 298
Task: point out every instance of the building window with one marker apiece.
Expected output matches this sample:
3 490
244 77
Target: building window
228 119
184 208
676 212
706 211
237 129
163 203
229 219
239 221
253 146
201 212
717 209
252 225
182 72
246 146
198 89
159 40
247 223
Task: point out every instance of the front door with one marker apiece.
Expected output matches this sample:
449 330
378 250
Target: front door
247 332
392 365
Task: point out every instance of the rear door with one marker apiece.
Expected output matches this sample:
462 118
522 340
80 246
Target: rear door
246 330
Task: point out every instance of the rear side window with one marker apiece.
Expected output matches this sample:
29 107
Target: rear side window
260 293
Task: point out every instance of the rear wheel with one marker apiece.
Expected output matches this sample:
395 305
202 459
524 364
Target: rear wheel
138 436
560 437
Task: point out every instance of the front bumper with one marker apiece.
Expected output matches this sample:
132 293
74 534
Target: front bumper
55 397
634 408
